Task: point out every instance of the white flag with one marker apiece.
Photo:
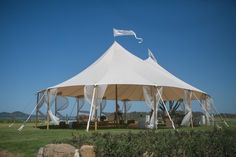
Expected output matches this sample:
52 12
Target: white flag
118 32
150 54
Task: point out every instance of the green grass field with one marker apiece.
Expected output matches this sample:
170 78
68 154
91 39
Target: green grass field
27 142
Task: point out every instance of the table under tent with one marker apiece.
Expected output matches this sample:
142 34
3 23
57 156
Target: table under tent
118 75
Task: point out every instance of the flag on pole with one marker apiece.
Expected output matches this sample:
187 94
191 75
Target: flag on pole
150 54
118 32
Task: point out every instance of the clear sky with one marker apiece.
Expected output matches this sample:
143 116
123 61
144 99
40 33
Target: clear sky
43 43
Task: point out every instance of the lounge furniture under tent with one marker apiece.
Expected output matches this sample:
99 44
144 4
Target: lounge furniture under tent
120 75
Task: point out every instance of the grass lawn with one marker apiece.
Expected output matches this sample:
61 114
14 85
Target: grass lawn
27 142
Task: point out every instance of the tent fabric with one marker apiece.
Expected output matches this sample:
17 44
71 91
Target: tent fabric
178 82
207 107
187 108
54 119
100 90
149 95
117 66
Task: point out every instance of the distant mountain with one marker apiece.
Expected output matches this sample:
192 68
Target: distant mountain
13 116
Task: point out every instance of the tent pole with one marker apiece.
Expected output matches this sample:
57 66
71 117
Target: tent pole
91 108
78 108
173 125
190 104
96 119
56 105
116 114
125 111
48 118
37 111
155 108
100 113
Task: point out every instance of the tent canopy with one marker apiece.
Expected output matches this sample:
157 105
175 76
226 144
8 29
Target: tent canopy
118 67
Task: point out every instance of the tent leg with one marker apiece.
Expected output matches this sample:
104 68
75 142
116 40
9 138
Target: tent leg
116 112
96 120
77 112
78 108
189 100
96 124
100 111
191 120
125 112
173 125
48 118
155 110
56 105
37 111
91 108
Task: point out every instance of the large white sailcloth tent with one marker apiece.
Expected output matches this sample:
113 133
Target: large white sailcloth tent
120 75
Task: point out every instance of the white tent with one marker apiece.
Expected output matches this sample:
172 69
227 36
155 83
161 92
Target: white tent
118 74
117 66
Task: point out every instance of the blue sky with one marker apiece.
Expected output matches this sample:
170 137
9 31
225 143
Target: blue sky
43 43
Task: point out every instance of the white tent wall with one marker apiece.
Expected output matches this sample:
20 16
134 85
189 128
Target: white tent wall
152 99
209 106
187 120
208 109
204 109
54 119
51 102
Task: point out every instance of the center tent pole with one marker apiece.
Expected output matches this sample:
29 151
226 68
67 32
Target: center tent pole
91 108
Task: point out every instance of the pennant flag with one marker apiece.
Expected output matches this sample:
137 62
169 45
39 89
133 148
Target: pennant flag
118 32
150 54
